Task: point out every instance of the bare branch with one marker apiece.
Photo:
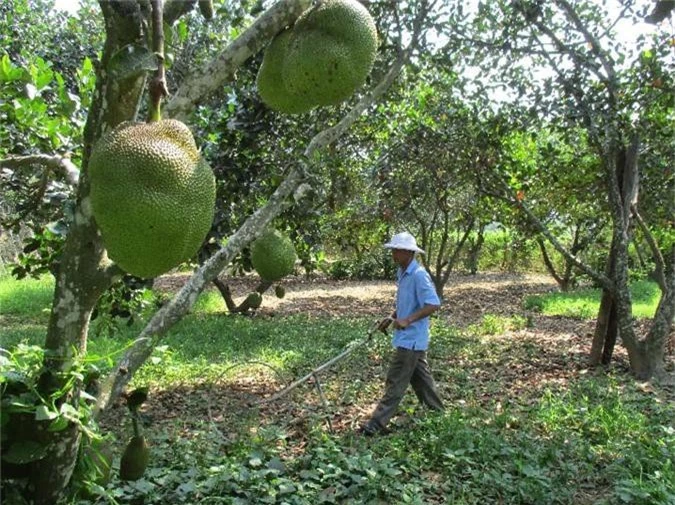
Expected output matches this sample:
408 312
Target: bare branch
592 41
57 162
602 279
654 247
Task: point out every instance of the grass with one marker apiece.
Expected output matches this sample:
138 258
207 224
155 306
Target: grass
525 423
585 303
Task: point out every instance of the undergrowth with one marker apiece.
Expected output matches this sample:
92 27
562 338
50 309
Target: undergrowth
525 421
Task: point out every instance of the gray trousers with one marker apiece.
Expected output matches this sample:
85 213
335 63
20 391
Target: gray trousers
406 367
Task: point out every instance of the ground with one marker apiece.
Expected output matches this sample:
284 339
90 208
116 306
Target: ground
559 347
466 298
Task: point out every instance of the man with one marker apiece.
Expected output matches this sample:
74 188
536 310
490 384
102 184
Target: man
416 300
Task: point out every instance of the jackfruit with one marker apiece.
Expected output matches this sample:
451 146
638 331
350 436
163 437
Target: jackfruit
134 459
273 255
279 291
270 83
254 300
152 195
321 60
331 52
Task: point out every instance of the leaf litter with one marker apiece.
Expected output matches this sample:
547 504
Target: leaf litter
509 368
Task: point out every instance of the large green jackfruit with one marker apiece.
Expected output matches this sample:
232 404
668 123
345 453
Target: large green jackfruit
331 51
134 459
152 195
321 60
270 81
273 255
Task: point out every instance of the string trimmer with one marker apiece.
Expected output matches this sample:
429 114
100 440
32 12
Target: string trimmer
380 325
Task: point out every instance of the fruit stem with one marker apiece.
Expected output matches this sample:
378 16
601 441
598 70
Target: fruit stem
134 422
157 86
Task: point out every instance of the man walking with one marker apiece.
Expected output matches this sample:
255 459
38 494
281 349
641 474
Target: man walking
416 300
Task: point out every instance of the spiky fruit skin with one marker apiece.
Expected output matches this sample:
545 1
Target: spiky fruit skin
331 52
321 60
279 291
152 195
134 459
273 255
254 300
270 81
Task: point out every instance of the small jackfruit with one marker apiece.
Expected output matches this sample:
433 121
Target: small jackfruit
273 255
279 291
254 300
134 459
152 195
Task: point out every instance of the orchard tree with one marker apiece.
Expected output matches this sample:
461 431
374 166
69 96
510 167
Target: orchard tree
564 61
133 59
430 176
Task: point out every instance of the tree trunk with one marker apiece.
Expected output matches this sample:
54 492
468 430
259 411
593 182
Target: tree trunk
645 356
84 271
550 266
475 250
606 329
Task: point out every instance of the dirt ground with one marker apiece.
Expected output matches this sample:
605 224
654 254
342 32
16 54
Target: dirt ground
466 297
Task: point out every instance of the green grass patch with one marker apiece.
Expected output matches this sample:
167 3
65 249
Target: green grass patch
585 303
517 430
27 297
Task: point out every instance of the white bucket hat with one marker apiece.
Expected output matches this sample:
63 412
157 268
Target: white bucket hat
403 241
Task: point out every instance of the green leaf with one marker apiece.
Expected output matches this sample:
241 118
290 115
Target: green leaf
58 424
8 71
42 413
132 61
24 451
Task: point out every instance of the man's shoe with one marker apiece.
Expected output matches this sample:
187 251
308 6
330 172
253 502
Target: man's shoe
370 430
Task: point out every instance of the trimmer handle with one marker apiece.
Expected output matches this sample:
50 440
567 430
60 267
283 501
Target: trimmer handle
384 324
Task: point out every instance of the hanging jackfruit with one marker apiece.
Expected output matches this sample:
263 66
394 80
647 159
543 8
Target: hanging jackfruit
321 60
273 255
331 52
134 459
254 300
270 81
152 195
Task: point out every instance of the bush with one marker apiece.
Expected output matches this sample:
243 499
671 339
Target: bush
367 267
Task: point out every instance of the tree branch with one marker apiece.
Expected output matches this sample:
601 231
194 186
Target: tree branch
602 279
592 41
52 162
654 247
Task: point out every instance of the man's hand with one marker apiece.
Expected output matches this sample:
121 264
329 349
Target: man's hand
402 323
